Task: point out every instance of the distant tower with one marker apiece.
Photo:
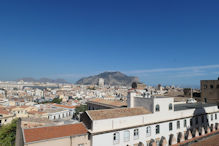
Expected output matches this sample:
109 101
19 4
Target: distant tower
159 87
101 82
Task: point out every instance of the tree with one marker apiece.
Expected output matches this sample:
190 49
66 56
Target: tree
79 109
57 100
8 134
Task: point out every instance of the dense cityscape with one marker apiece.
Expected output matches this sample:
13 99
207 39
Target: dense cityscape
109 73
44 111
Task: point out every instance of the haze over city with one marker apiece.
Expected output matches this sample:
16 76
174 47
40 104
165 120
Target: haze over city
167 42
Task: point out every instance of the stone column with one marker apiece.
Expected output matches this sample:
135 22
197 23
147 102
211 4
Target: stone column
202 131
208 130
196 133
189 136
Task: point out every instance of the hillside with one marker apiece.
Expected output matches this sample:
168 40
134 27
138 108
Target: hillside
110 78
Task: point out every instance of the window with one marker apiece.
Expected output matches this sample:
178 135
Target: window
217 86
170 126
215 116
148 131
136 135
170 106
205 86
80 144
211 86
178 124
196 120
116 138
185 123
126 135
157 129
211 117
157 108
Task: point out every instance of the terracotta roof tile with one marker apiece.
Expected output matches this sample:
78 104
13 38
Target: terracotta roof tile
3 110
65 106
43 133
116 113
111 102
210 141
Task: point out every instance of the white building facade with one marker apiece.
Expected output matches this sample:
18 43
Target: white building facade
164 124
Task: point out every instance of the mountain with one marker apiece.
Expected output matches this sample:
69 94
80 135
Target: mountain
43 80
110 78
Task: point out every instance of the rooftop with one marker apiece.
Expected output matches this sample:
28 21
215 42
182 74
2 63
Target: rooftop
43 133
211 141
116 113
65 106
52 110
111 102
37 120
178 107
3 110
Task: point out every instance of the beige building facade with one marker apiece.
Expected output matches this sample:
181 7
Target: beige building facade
59 135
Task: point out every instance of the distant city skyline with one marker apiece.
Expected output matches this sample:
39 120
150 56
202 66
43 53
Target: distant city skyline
167 42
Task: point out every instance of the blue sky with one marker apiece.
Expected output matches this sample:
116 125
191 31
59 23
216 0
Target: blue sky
167 42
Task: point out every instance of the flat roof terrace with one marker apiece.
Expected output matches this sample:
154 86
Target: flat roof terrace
178 107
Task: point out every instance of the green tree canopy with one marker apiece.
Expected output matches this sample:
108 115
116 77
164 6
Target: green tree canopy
8 134
81 108
57 100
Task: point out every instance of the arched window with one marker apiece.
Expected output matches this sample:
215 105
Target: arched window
157 129
170 106
116 137
157 108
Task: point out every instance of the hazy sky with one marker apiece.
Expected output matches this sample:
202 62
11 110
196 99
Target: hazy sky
166 41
